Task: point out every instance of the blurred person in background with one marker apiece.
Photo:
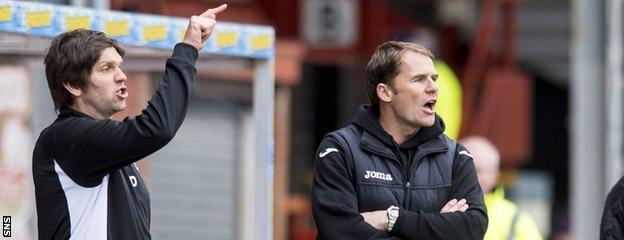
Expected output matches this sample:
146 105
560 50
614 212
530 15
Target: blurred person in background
612 223
507 221
86 183
392 173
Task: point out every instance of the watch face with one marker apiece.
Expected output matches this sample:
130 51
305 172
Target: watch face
393 212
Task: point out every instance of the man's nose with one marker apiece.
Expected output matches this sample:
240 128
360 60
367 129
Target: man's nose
120 76
433 86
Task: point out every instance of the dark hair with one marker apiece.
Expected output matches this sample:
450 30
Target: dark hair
385 65
70 59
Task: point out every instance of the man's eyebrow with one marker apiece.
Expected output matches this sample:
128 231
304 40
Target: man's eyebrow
107 61
419 75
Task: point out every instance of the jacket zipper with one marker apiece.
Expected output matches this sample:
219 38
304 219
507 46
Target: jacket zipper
406 174
407 201
394 158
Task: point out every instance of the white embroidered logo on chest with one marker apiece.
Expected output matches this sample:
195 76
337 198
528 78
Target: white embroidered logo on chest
133 181
378 175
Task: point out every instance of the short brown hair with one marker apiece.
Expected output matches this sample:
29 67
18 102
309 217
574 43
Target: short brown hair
70 59
385 65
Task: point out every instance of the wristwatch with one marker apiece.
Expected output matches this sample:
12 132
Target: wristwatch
393 215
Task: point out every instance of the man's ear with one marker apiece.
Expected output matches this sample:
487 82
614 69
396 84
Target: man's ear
76 92
384 92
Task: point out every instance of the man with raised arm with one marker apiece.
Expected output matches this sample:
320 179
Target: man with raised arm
86 183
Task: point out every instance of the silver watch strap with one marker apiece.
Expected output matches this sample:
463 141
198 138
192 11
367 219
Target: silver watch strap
393 215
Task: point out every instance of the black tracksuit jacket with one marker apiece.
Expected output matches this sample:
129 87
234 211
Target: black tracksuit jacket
612 224
360 168
86 183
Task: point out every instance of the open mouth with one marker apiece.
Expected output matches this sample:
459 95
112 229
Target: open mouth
429 107
122 92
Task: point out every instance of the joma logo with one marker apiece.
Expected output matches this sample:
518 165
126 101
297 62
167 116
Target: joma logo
378 175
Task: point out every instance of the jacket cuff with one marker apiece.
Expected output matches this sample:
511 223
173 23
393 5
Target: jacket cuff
185 50
399 224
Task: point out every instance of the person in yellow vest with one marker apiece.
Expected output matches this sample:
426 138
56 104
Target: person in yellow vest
449 105
506 220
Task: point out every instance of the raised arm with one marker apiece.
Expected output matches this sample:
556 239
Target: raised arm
91 148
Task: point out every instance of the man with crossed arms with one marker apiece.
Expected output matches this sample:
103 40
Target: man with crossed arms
392 173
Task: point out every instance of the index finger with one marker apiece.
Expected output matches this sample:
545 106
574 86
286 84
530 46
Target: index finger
214 10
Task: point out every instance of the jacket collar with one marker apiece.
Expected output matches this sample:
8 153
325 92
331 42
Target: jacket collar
436 145
66 112
375 139
374 145
370 143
